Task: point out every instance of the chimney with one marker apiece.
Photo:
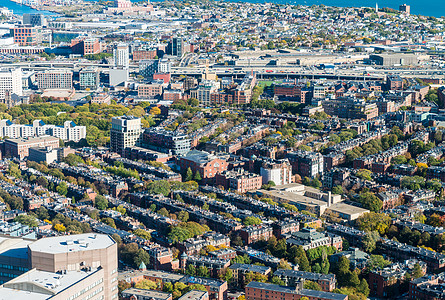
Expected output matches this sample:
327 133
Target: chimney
329 199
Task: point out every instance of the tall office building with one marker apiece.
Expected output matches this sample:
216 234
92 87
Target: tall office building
89 78
126 131
11 81
177 46
82 266
34 20
121 56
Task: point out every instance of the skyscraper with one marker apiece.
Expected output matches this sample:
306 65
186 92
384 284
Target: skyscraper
121 56
126 131
177 46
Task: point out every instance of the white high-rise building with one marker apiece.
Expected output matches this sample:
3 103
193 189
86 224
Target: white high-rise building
121 56
126 131
164 66
10 80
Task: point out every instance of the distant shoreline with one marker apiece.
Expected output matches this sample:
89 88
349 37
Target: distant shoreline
333 3
18 3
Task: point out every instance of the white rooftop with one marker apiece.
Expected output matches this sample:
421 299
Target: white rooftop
48 283
14 247
72 243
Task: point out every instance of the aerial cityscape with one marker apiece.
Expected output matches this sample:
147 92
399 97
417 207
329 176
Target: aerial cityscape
222 150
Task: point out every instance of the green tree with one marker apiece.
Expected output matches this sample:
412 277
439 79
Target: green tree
252 221
373 222
26 220
354 281
100 202
277 280
146 285
141 256
42 181
227 275
417 271
108 221
399 159
189 175
311 285
142 233
363 287
301 259
364 174
370 201
183 216
163 212
197 176
377 262
338 189
190 270
159 187
62 188
283 264
202 271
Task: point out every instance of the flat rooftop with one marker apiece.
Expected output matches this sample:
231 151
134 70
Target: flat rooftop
294 198
194 295
35 139
14 247
347 209
158 274
148 294
72 243
27 285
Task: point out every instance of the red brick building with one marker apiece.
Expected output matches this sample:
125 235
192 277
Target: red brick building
149 90
162 76
252 234
208 165
85 46
267 291
239 180
27 35
144 54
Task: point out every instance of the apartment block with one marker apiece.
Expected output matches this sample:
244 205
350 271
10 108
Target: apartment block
278 171
126 131
85 45
150 90
306 163
167 141
327 282
55 79
68 132
239 180
253 233
350 108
